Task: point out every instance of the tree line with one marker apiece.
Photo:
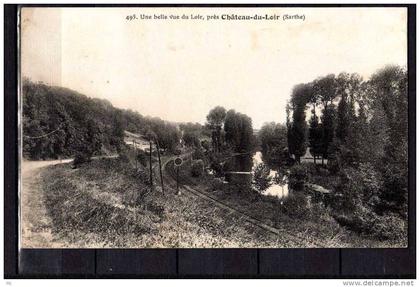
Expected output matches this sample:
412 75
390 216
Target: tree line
361 128
58 123
230 130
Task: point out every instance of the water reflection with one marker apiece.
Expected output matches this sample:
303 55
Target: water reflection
279 186
242 167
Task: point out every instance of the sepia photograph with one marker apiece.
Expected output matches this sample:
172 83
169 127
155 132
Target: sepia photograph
213 127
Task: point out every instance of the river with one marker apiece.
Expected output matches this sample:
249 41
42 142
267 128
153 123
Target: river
243 166
278 188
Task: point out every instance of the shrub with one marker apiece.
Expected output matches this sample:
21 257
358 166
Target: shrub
80 159
142 158
390 226
197 168
296 205
357 188
205 144
355 203
216 165
298 176
262 178
364 221
216 184
198 154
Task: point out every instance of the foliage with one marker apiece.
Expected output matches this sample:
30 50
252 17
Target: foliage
273 138
142 158
191 134
198 154
238 131
216 184
357 202
296 205
215 120
261 177
297 131
216 165
58 122
190 139
197 168
206 145
315 136
80 159
363 132
328 130
298 176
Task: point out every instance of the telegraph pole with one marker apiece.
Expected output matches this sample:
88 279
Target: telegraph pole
177 164
150 165
160 166
135 152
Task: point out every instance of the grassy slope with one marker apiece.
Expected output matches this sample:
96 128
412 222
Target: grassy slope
100 205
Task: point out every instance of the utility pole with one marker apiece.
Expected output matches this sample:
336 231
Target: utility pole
177 164
150 165
160 166
135 152
177 179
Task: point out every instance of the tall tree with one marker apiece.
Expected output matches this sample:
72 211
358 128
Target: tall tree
238 131
297 133
326 90
315 136
328 119
215 120
390 96
273 138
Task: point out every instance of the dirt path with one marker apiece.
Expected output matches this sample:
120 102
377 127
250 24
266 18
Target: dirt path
35 222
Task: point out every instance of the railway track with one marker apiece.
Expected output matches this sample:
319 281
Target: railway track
170 176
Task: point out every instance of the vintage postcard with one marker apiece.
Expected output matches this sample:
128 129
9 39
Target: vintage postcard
213 127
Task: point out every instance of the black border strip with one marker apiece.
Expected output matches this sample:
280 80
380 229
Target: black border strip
10 142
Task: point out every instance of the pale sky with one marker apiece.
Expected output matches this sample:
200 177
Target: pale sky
179 69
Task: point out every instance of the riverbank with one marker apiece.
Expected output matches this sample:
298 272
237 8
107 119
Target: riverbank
298 214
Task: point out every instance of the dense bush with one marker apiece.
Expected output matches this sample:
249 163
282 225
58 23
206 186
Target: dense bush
296 205
198 154
197 168
298 176
216 164
261 177
206 145
364 221
357 188
142 158
390 226
80 159
355 204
